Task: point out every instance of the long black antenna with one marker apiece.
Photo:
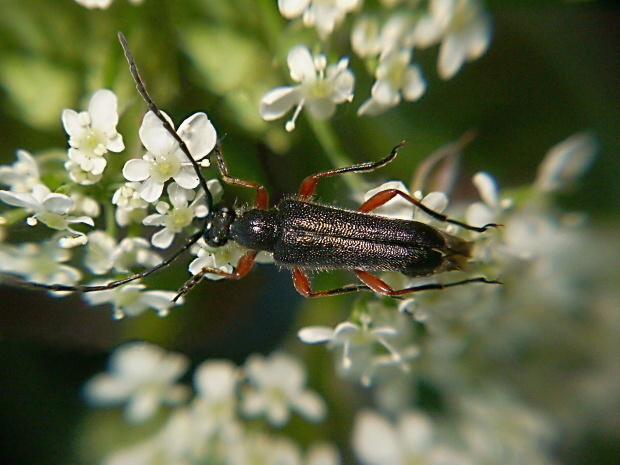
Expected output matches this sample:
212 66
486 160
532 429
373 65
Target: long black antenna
153 107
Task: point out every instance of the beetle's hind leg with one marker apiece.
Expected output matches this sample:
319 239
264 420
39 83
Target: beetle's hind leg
381 287
381 198
302 284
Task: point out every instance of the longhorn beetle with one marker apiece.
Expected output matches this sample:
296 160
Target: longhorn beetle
304 235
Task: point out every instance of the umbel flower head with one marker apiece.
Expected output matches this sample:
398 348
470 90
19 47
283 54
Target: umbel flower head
321 87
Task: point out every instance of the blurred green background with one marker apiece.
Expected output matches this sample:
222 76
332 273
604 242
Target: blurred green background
553 69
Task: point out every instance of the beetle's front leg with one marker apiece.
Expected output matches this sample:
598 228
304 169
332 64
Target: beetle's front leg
244 265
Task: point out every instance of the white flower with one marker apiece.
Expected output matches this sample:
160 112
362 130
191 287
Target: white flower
376 441
91 134
396 78
128 196
132 300
366 345
141 375
368 39
176 218
85 204
22 175
103 253
365 38
566 162
131 208
50 209
80 176
462 26
39 263
165 159
276 387
223 258
321 87
215 382
492 207
324 15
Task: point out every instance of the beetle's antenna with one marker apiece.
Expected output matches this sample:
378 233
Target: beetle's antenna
166 124
13 281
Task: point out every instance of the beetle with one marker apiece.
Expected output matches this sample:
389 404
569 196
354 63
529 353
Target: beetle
304 235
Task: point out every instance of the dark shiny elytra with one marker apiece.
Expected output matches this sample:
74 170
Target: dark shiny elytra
314 236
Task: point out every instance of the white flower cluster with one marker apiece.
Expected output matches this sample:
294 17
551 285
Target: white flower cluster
64 201
214 425
462 29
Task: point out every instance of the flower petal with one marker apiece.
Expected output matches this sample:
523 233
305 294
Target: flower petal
162 239
154 136
186 178
71 122
136 170
452 54
414 83
487 188
199 135
375 440
20 199
292 8
315 334
151 190
301 64
115 144
58 203
311 406
278 101
178 195
103 110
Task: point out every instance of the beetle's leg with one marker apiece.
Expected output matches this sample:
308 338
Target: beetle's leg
381 198
381 287
308 186
244 265
302 284
261 201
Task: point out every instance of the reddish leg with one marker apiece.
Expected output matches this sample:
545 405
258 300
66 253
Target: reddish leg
244 265
372 283
381 198
381 287
308 186
261 201
302 284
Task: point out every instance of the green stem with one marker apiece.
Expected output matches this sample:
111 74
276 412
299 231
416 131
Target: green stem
328 140
110 226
